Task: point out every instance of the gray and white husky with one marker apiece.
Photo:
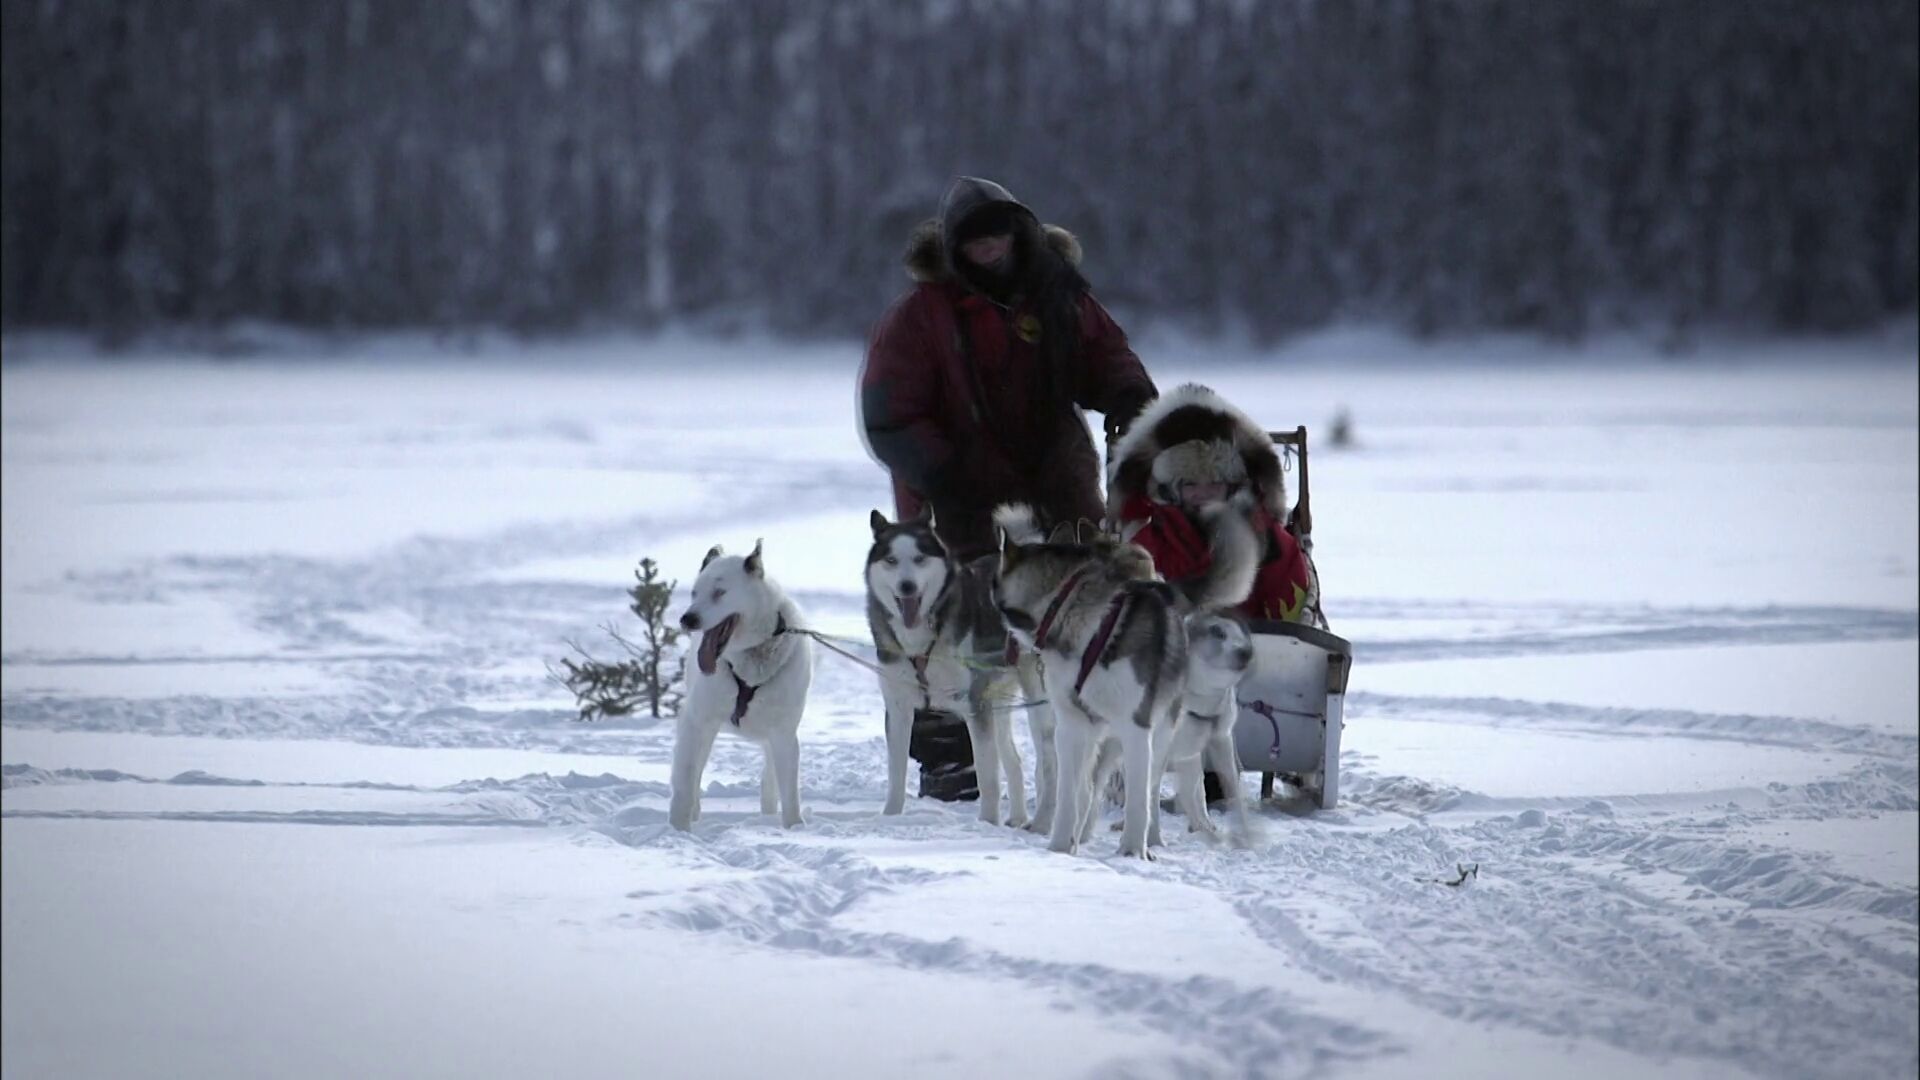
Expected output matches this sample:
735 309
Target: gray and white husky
1115 652
751 676
943 647
1219 656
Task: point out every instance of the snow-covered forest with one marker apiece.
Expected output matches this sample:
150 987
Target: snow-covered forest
1439 165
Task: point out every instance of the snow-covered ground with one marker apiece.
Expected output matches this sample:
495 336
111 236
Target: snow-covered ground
288 791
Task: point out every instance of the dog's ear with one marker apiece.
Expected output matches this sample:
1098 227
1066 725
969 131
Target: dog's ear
1063 533
878 522
1009 551
755 567
930 523
1131 529
713 553
1088 530
925 516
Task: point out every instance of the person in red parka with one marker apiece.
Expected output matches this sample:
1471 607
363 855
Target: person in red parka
973 390
975 380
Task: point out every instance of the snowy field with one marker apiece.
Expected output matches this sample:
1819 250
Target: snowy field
289 793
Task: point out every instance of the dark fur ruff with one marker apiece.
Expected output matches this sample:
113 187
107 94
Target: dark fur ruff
1188 412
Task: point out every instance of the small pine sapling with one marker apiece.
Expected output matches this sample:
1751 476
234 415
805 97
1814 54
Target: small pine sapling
650 599
655 669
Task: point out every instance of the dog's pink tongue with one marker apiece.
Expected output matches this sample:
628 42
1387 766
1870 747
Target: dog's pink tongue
910 611
710 643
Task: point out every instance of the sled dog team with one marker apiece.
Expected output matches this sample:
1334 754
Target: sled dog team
1119 670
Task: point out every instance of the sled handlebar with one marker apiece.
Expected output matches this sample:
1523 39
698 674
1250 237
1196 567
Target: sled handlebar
1302 522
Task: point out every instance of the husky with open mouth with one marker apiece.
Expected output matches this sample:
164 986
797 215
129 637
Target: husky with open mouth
943 649
753 667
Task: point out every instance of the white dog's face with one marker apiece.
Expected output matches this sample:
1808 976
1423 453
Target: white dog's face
727 588
906 570
1219 651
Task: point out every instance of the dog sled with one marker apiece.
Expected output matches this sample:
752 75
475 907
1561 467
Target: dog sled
1292 703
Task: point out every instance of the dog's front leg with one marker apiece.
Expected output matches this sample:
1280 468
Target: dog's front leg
692 740
1040 723
1190 741
900 701
1136 751
1105 760
1073 747
1224 760
1011 768
769 783
1161 742
986 765
783 751
1190 792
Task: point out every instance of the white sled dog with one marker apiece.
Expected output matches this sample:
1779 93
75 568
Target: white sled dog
942 647
751 676
1115 653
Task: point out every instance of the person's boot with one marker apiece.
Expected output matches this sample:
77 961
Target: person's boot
943 748
1215 793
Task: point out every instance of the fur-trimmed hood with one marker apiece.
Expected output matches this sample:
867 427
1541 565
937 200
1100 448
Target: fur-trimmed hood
1192 433
928 260
932 247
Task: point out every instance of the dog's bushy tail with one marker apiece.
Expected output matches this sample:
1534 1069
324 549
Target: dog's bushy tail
1236 559
1017 520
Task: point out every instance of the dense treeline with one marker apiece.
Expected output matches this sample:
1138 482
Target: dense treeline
1440 164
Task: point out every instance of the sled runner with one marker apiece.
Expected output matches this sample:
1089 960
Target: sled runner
1292 702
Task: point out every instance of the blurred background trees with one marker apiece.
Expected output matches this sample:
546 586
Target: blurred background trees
1260 167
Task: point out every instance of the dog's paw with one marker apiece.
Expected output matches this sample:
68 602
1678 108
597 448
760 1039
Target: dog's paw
1129 851
1063 847
1017 820
1041 825
894 808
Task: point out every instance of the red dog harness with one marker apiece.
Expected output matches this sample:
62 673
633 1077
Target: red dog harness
1100 637
1099 643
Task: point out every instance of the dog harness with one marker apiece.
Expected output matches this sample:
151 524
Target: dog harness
1046 620
1100 638
1053 609
920 674
744 697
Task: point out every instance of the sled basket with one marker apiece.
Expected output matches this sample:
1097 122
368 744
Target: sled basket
1291 704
